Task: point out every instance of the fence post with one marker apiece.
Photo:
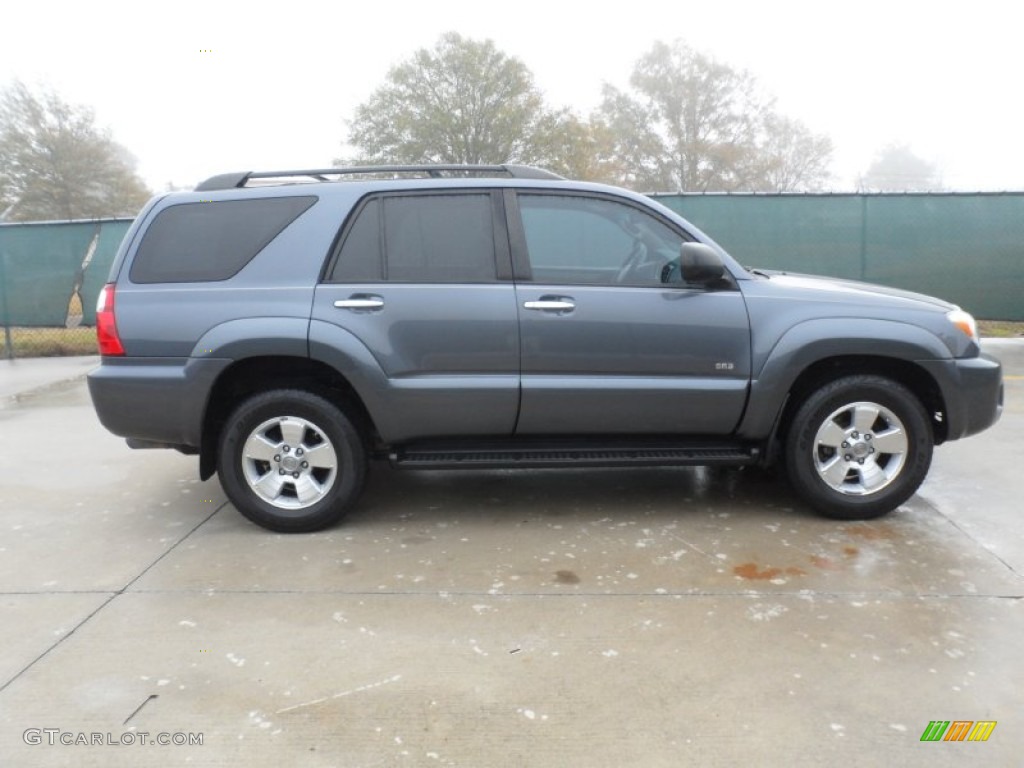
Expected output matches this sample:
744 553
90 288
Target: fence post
863 236
8 343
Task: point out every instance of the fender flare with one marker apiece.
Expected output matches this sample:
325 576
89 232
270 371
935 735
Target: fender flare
813 341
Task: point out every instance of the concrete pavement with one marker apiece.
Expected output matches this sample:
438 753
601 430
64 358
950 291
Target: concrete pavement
27 376
557 618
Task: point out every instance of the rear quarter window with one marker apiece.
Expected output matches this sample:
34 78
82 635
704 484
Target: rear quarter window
204 242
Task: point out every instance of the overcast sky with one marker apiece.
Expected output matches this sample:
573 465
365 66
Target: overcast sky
280 78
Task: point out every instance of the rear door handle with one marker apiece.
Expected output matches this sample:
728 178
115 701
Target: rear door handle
364 301
551 304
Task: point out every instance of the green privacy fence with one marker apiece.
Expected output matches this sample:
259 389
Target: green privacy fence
50 276
965 247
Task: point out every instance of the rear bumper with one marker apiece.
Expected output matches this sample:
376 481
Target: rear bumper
973 391
159 400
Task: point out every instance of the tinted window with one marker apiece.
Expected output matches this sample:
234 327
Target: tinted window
586 240
439 239
426 239
360 258
199 242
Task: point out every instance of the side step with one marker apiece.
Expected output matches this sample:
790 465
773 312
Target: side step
540 455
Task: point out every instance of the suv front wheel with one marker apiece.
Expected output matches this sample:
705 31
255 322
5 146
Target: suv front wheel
291 461
859 447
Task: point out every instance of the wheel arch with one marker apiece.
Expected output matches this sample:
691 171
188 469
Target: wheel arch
253 375
811 352
912 376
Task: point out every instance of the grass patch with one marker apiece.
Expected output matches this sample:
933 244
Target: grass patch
1000 329
50 342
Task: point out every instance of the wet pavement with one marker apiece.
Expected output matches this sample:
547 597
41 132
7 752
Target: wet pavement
550 618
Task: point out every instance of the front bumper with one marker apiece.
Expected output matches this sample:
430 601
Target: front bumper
972 389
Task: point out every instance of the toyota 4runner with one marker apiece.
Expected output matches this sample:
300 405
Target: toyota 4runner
288 327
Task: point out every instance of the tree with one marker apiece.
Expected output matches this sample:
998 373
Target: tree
56 164
464 101
897 169
793 158
694 124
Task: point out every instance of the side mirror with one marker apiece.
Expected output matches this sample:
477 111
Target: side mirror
699 263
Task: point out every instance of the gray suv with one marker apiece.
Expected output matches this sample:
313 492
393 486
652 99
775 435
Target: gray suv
288 327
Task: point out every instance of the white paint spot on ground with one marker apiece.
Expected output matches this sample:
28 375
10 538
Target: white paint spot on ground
898 727
762 612
610 653
529 714
238 662
256 718
186 623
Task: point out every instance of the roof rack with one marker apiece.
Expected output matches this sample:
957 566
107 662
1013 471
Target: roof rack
241 179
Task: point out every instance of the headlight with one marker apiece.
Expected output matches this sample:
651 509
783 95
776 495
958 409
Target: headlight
965 322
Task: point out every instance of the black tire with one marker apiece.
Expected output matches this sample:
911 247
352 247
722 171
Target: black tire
870 470
291 461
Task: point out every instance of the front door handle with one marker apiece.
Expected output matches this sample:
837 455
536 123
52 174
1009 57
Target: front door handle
364 301
551 304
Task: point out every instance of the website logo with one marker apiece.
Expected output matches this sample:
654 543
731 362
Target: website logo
958 730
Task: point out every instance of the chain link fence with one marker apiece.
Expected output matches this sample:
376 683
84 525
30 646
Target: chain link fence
50 277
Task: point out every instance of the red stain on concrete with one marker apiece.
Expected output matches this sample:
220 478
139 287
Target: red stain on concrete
824 563
750 572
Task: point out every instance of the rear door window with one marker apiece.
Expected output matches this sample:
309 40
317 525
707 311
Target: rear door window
420 239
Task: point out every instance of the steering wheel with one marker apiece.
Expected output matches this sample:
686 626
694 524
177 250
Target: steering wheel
636 257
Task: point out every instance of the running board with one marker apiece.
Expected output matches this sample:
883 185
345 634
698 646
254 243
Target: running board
565 454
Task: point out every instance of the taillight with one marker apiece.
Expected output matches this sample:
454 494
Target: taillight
106 326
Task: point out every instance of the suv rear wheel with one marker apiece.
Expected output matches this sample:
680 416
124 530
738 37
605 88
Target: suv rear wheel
291 461
859 447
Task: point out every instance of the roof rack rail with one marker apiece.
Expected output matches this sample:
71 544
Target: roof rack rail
241 179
